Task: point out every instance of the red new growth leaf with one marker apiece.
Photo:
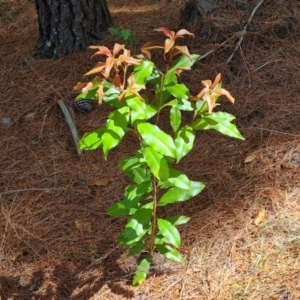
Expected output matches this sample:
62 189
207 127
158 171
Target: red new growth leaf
132 88
211 92
169 44
110 68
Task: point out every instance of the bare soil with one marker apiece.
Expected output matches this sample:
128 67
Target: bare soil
243 240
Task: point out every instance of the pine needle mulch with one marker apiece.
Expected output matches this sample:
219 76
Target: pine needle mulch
243 240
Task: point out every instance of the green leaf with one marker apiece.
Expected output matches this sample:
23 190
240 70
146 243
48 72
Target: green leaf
176 194
143 71
179 179
169 231
157 164
179 91
115 129
170 253
125 34
111 97
140 110
138 225
183 62
184 142
157 139
178 220
142 271
137 248
118 210
134 194
134 168
175 118
92 140
155 77
114 31
219 121
170 79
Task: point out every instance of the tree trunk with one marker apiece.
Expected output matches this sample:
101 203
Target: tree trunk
70 26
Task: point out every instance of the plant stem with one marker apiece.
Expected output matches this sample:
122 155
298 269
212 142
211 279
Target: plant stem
153 227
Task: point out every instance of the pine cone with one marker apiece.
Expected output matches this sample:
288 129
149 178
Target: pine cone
84 106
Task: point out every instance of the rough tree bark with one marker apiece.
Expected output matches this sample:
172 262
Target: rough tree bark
70 26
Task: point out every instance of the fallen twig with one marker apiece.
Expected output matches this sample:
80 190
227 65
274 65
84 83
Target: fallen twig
70 123
242 33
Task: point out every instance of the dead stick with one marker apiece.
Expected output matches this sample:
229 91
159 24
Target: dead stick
70 123
243 32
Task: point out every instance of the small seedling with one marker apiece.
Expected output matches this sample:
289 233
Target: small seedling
124 35
120 82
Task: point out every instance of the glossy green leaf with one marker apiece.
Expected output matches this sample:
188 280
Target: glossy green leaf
111 97
176 194
179 179
155 77
169 231
153 136
92 140
157 164
142 271
137 248
143 71
170 253
118 210
175 118
115 129
183 62
134 194
178 220
184 142
219 121
139 109
170 79
179 91
138 225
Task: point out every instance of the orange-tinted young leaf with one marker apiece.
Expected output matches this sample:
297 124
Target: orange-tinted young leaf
102 50
109 64
128 59
181 49
167 32
117 81
100 93
79 86
182 32
206 83
168 45
97 69
216 81
225 93
150 46
202 93
87 87
117 49
211 103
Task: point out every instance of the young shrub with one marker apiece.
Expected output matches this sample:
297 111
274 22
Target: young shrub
150 167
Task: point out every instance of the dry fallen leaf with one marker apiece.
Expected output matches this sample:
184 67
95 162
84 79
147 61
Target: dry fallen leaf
249 158
260 217
102 181
85 226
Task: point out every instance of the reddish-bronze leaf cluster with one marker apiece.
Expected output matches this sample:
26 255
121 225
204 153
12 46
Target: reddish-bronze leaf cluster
169 45
211 92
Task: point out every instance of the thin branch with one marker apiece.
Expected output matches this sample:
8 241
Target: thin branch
243 32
